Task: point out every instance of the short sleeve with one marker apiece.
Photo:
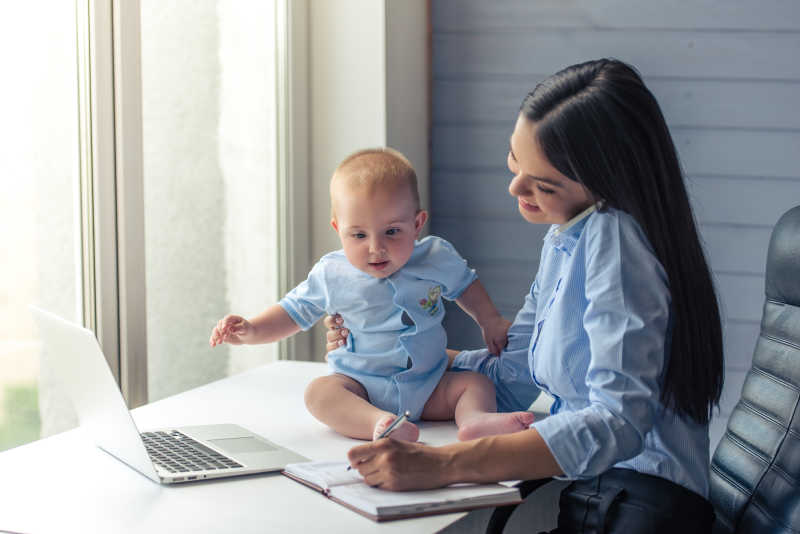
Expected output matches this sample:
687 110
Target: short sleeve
448 267
306 303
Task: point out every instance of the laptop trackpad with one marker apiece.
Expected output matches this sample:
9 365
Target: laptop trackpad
241 445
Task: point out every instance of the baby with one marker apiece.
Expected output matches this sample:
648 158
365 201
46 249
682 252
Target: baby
387 286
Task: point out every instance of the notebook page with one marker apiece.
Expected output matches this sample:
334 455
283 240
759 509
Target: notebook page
380 502
325 474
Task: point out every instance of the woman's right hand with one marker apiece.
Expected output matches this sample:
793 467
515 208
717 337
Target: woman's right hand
402 465
336 334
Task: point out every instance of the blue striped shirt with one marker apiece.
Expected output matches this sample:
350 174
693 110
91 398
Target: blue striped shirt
594 334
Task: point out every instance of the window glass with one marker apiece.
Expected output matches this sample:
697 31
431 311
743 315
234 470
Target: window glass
39 222
208 98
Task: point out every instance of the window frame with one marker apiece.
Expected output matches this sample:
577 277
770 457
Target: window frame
97 175
293 171
112 190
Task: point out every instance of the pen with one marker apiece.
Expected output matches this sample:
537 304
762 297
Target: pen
390 428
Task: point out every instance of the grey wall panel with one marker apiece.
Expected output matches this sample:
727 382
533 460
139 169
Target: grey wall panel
728 103
736 249
732 391
755 201
693 54
716 429
462 334
754 153
727 78
480 15
685 102
481 239
742 296
507 282
481 100
470 146
473 194
485 240
716 152
729 249
740 341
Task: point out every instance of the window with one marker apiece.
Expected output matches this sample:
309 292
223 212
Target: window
209 147
144 164
40 262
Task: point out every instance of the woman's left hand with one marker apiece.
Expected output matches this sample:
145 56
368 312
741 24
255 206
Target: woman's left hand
400 465
336 333
495 334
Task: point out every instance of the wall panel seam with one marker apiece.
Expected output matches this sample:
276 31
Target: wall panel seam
505 30
648 78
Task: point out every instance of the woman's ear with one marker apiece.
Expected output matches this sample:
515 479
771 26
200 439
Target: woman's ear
419 222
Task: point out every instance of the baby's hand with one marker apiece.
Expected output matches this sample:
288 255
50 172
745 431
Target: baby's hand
232 329
495 334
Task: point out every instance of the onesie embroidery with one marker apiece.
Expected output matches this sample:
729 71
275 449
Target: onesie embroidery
431 304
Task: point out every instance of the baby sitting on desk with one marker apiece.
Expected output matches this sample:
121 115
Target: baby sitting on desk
387 286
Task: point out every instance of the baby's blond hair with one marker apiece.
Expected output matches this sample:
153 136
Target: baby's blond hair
374 168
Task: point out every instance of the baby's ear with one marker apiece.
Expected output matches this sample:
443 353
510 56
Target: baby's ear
419 221
334 224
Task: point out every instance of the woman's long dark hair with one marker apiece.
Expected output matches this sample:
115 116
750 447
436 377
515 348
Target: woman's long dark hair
599 125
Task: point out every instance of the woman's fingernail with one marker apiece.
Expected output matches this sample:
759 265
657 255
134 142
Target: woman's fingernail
341 342
345 331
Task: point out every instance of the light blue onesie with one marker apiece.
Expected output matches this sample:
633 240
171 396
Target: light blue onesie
396 346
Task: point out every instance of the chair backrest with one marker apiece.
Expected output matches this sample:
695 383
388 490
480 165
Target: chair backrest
755 471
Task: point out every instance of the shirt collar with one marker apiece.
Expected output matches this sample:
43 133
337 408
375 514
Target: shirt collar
564 236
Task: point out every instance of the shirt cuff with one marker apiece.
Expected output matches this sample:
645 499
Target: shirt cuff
571 450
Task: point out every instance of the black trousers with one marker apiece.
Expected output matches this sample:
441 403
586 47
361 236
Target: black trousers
621 501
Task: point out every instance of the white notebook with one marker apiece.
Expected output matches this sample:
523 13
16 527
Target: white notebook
347 488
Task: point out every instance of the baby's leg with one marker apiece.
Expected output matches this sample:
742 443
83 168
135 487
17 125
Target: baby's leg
470 399
342 403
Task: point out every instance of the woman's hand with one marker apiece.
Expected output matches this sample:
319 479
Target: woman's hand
336 334
401 465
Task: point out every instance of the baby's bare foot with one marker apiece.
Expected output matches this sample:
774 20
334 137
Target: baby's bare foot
489 424
407 431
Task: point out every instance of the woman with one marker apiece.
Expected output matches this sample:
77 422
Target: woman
621 325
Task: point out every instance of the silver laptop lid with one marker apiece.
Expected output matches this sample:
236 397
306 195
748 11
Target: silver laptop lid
83 372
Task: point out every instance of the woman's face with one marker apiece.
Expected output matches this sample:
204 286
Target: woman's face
544 194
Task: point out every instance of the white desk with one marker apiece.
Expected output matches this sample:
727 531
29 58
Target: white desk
41 492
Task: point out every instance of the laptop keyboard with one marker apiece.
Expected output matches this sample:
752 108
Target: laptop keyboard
178 453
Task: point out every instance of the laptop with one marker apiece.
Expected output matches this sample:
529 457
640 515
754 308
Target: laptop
168 455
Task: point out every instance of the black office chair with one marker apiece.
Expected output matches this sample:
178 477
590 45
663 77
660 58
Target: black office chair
755 471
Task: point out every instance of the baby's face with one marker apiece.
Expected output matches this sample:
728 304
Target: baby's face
377 228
